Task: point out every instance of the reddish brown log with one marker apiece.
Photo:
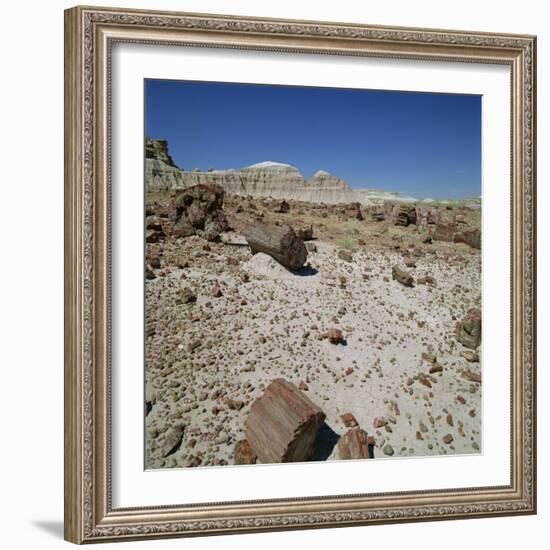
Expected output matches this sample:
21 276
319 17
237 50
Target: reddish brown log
283 423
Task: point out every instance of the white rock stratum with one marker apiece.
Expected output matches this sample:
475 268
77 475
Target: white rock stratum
262 180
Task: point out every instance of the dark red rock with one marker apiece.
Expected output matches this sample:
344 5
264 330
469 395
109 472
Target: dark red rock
353 445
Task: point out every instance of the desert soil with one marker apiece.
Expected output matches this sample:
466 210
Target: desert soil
253 321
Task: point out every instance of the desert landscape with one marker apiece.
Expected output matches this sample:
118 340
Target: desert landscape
296 320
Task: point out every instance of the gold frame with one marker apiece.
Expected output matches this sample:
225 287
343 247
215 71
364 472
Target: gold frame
89 34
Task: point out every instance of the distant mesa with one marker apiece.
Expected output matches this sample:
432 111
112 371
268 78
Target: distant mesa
270 179
267 179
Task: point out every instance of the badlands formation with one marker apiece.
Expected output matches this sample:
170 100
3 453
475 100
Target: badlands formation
263 180
282 330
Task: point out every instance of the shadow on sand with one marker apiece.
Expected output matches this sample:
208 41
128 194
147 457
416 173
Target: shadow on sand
304 271
324 442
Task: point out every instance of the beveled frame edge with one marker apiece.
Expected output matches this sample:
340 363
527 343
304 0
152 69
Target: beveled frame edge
89 516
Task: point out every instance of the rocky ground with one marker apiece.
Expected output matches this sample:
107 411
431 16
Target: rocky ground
221 324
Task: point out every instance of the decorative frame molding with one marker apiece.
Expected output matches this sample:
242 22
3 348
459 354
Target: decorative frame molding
89 34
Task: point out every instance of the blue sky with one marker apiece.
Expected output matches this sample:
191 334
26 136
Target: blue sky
425 145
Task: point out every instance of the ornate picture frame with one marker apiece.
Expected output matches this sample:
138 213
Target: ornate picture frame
90 34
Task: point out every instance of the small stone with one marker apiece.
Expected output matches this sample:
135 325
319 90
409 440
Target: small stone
216 291
435 368
379 422
448 439
345 255
244 453
349 420
388 450
334 335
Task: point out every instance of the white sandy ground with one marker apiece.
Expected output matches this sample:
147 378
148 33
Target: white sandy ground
269 327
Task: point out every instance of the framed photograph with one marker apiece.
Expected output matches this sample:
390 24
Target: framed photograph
300 274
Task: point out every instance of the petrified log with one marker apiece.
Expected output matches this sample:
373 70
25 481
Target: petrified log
402 276
353 445
405 216
445 232
468 331
283 423
279 241
472 238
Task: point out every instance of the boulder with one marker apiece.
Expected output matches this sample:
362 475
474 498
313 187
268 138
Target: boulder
283 424
198 210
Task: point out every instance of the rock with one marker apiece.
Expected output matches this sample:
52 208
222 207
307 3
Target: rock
353 445
402 276
430 357
349 420
471 237
216 291
334 335
153 236
283 424
154 262
172 440
303 386
311 247
435 368
345 255
186 296
468 331
265 266
234 404
198 210
410 262
404 215
448 439
149 274
153 223
388 450
193 345
472 376
470 356
379 422
244 454
284 207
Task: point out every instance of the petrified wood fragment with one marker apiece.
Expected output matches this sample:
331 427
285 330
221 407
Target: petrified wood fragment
468 331
279 241
353 445
283 423
402 276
